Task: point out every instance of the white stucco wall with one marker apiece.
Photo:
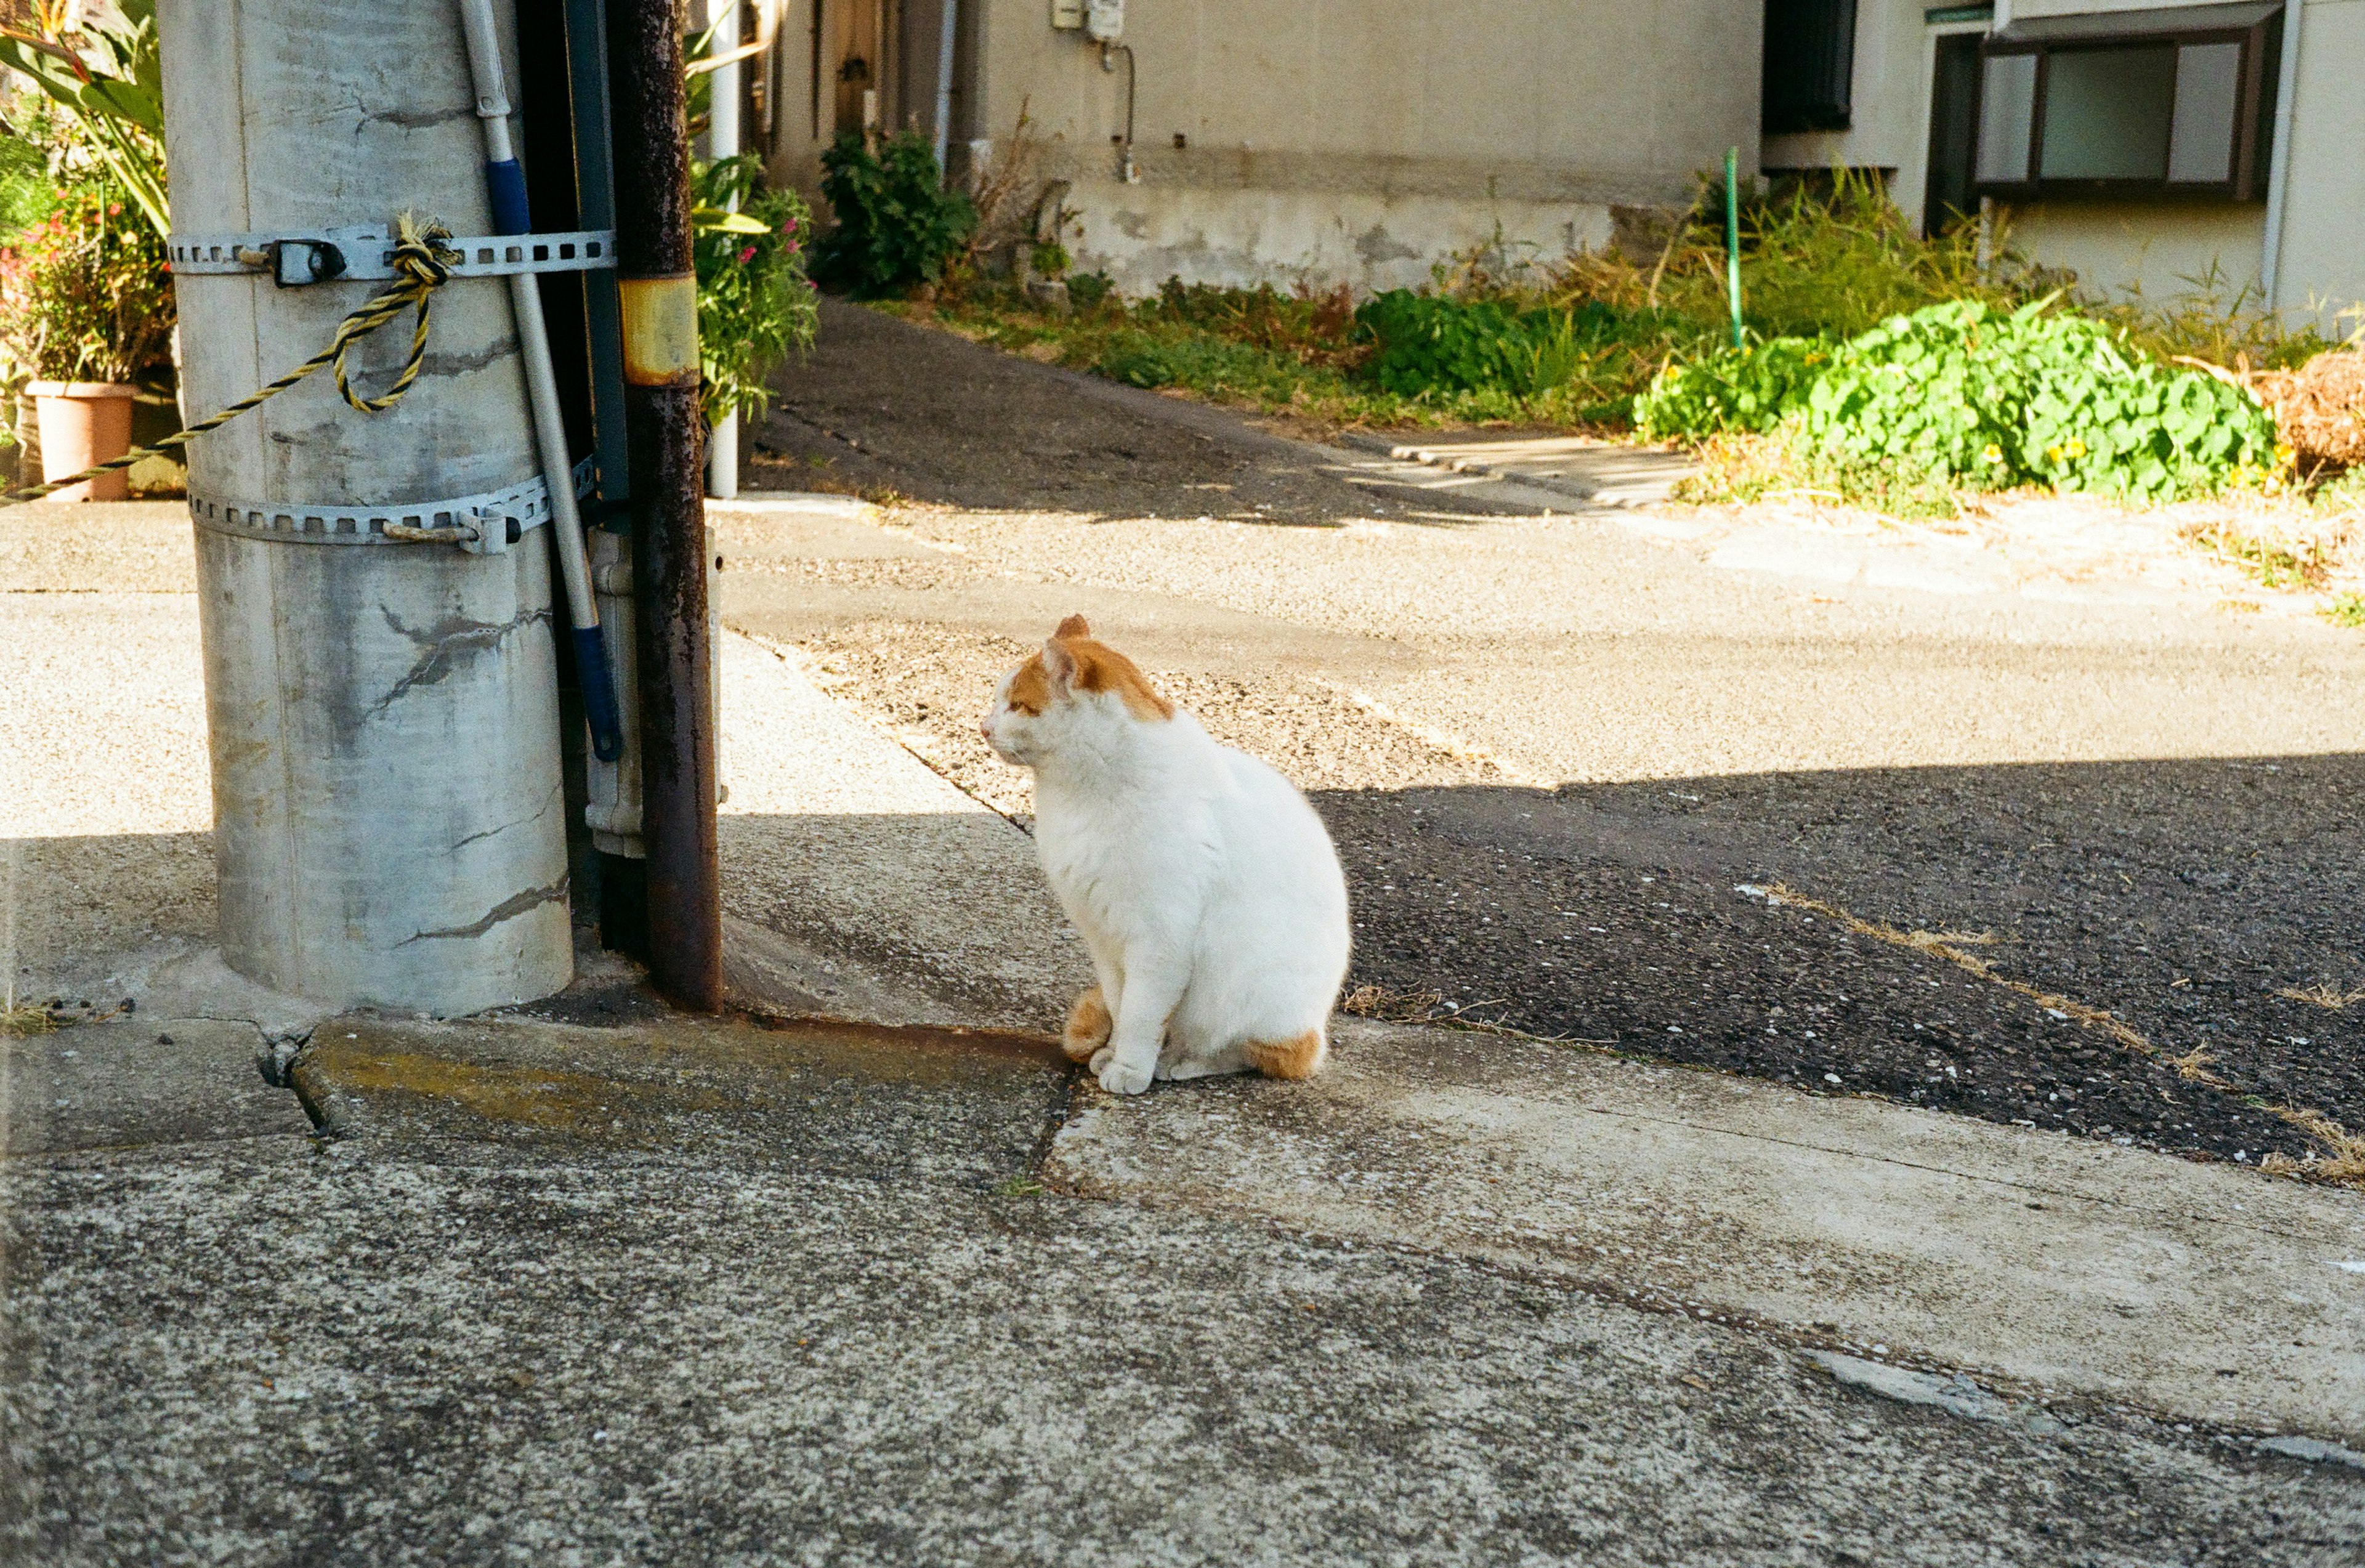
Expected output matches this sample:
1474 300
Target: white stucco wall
2322 275
2159 253
1355 140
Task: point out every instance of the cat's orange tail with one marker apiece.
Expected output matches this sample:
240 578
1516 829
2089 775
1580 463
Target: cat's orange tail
1298 1057
1088 1026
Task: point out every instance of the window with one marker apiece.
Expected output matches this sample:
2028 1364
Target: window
2173 102
1810 65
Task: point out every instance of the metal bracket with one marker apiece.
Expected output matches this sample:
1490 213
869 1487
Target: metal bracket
485 524
365 254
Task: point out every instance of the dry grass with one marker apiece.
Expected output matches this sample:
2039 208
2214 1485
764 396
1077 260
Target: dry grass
1949 946
2274 558
2345 1163
2329 997
1383 1005
2321 408
20 1022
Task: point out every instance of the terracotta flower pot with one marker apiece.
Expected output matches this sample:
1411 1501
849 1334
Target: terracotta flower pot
84 423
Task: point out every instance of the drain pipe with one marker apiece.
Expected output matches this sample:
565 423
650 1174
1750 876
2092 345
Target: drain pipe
946 25
723 141
2270 259
505 187
659 287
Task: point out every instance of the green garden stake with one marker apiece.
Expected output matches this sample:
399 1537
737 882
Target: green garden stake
1732 237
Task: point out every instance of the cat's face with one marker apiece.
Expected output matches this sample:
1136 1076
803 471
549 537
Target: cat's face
1071 687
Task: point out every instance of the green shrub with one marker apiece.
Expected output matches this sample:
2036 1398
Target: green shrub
86 294
1754 391
1086 290
754 302
1204 365
1964 393
897 224
1437 343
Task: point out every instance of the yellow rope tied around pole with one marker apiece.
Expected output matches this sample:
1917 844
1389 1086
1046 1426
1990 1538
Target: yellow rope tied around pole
425 262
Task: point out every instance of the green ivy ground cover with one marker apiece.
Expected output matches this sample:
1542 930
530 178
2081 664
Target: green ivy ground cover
1965 394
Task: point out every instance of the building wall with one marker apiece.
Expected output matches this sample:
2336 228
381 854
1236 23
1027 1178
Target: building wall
2155 252
1350 141
2322 275
2159 249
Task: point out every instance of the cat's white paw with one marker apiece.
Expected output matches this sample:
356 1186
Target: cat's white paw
1119 1078
1100 1058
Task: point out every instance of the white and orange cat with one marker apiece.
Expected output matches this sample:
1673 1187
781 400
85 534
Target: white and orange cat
1207 892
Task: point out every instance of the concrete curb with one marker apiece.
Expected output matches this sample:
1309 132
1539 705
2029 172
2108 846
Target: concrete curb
1591 491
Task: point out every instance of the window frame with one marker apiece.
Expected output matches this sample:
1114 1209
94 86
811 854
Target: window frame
2246 179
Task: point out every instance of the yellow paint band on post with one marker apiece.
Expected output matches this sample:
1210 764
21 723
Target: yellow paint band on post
660 321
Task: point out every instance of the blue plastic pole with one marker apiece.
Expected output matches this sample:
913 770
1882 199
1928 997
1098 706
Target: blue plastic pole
505 185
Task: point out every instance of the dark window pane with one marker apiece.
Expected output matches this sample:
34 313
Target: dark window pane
2107 113
1954 114
1810 65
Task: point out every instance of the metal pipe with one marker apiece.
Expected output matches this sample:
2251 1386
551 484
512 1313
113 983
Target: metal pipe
723 141
505 185
659 293
1733 240
2271 257
945 24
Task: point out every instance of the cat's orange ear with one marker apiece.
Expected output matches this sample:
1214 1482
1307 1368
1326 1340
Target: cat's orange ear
1057 663
1074 626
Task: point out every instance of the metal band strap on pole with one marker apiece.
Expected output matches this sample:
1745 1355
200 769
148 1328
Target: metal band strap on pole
423 257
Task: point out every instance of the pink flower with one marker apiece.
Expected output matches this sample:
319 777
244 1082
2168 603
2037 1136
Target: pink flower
793 247
746 255
789 226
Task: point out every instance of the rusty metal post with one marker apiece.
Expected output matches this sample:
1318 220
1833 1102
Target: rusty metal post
659 297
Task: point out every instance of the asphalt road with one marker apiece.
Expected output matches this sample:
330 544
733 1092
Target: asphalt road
1556 751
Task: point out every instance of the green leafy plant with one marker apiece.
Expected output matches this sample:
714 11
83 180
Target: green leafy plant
102 75
28 194
2348 609
1728 391
84 294
1964 393
1049 258
897 224
754 303
1086 290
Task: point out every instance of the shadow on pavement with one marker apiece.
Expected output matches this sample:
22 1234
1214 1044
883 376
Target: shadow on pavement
2206 904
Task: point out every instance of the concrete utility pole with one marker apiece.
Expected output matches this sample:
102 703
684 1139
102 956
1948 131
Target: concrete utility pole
383 708
659 293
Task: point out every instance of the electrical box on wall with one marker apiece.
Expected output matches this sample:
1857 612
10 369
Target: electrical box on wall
1068 14
1103 20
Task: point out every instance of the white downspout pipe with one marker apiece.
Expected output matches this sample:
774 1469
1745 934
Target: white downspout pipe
723 141
2271 257
944 83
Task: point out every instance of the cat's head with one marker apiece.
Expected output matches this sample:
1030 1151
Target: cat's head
1072 689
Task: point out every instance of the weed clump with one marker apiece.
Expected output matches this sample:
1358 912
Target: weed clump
898 227
1963 395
